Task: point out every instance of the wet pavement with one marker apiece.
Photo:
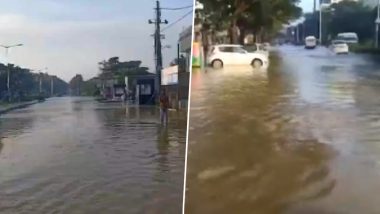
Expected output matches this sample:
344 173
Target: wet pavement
74 155
303 137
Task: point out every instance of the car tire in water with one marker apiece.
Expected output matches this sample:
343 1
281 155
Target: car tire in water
217 64
257 63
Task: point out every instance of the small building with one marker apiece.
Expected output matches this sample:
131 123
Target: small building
139 88
184 62
169 83
143 89
175 78
107 89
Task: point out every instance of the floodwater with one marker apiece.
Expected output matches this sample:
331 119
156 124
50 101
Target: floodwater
303 137
74 155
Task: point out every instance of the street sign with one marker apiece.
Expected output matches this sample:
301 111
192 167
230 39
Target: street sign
169 75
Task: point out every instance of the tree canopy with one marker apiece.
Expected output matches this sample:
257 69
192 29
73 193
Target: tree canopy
25 85
114 69
351 16
111 69
263 17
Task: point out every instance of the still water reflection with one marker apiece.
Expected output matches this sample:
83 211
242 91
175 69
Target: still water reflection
296 139
71 155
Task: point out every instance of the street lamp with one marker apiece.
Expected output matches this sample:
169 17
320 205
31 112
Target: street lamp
40 79
52 86
320 20
377 23
8 70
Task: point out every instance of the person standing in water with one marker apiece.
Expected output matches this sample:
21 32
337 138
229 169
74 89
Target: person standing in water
164 106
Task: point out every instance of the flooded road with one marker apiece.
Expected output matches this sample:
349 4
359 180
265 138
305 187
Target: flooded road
303 137
74 155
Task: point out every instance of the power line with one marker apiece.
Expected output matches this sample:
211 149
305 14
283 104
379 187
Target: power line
178 20
178 8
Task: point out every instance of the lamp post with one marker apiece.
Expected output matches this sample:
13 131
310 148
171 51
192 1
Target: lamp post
331 10
320 22
377 23
7 47
52 86
40 78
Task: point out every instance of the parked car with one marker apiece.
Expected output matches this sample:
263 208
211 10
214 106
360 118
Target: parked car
310 42
257 48
339 47
221 55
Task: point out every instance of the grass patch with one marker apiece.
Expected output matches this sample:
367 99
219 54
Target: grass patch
366 48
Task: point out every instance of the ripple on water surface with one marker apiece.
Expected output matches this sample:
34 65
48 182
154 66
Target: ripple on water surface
77 156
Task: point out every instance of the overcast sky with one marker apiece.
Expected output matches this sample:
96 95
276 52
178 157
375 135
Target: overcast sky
307 5
72 36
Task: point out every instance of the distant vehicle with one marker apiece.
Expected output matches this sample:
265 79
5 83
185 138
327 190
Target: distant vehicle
339 47
310 42
257 48
348 37
222 55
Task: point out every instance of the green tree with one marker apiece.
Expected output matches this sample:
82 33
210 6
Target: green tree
24 84
352 16
114 69
264 17
76 84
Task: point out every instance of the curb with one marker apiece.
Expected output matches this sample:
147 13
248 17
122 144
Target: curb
19 106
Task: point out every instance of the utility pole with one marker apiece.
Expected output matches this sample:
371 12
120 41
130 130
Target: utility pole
320 23
315 6
377 22
52 86
40 84
158 46
7 47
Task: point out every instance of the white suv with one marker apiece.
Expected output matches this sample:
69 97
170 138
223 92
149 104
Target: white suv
221 55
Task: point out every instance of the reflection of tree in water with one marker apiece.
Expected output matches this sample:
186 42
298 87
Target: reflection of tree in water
1 145
250 156
13 124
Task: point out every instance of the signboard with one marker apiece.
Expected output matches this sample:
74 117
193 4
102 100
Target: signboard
145 89
169 76
119 91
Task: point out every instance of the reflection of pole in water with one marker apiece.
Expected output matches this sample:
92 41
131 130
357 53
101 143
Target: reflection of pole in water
137 112
163 142
127 111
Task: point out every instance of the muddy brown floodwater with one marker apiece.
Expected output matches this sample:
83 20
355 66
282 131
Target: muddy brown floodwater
303 137
74 155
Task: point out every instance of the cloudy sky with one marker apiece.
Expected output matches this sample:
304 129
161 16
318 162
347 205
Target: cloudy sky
72 36
307 5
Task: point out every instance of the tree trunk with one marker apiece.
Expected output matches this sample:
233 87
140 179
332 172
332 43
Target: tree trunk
259 35
242 36
233 31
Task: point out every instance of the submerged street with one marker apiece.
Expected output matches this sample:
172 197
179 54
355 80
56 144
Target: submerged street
301 138
74 155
